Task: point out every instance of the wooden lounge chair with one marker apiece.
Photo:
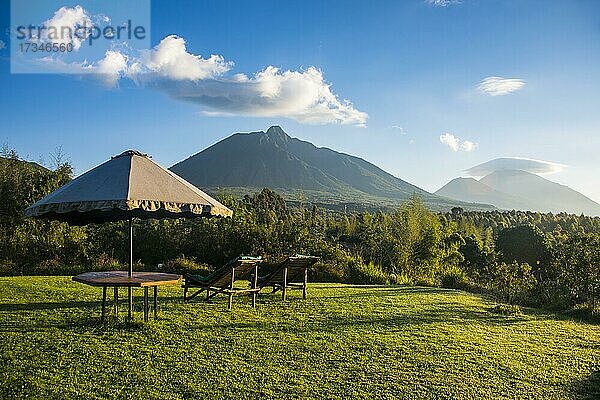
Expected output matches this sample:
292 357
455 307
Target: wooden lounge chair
222 280
292 273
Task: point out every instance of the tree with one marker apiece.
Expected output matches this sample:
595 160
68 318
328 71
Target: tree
25 243
475 259
579 262
511 281
524 244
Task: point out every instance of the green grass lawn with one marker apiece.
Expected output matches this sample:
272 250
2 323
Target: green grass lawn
343 342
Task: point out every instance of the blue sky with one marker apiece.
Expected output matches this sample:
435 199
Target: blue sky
410 64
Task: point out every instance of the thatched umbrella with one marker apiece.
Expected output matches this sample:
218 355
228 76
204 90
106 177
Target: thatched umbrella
127 186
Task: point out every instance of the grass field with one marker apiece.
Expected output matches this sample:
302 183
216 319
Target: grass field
343 342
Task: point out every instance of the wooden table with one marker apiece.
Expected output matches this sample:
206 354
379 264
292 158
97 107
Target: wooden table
119 279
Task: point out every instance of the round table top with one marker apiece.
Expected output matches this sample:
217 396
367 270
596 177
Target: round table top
121 278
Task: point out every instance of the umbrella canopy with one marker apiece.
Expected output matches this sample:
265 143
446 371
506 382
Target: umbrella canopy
127 186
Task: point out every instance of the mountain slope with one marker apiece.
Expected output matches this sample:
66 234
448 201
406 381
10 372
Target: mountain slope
542 194
254 159
275 160
472 190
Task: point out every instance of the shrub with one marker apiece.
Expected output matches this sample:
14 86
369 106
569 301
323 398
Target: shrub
329 272
400 279
367 274
8 268
506 309
48 267
183 265
104 262
426 281
454 278
513 282
553 295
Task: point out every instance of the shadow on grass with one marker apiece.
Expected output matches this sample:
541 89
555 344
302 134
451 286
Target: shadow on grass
588 388
48 305
269 299
330 323
95 304
89 323
364 291
374 289
581 315
40 316
320 319
96 325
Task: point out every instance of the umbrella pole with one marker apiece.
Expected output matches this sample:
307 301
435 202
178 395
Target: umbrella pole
130 289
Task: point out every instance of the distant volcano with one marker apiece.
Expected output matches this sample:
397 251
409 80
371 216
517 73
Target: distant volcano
520 190
247 162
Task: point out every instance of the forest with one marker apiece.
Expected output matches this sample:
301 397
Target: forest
522 258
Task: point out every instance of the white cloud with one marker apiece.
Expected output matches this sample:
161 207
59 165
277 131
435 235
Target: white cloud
497 86
108 70
516 163
455 143
57 65
60 29
2 44
111 67
399 129
442 3
467 145
170 59
301 95
304 95
450 140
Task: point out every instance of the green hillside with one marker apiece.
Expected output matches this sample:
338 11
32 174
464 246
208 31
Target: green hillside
345 341
351 199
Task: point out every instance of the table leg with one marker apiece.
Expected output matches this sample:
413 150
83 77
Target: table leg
305 283
254 285
103 302
284 288
155 301
130 305
146 304
231 288
116 301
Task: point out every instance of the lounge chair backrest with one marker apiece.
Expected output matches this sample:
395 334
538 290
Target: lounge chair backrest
295 266
222 276
243 269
